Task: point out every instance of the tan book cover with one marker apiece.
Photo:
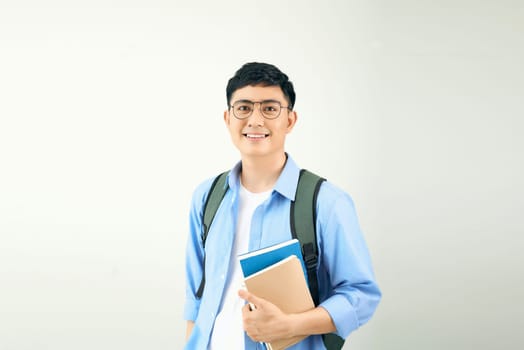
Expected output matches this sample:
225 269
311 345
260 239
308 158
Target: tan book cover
284 285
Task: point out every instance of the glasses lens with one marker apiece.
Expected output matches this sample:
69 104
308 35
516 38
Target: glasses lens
242 109
270 109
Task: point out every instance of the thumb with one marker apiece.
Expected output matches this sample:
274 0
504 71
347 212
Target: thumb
250 298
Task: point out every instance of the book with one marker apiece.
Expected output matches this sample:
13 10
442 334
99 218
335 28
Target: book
284 285
257 260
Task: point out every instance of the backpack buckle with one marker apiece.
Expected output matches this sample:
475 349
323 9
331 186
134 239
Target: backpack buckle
310 258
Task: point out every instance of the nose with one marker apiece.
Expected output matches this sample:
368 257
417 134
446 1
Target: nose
256 117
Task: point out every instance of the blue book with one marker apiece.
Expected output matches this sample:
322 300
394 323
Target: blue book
257 260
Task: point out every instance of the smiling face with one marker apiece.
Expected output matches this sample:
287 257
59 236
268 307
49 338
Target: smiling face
256 136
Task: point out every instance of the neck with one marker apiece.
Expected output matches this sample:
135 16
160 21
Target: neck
260 174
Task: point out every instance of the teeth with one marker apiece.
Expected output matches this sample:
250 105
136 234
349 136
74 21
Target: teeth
256 136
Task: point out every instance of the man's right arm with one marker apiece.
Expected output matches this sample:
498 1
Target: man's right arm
189 329
194 258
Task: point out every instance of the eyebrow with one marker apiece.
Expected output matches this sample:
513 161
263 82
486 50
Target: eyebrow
245 100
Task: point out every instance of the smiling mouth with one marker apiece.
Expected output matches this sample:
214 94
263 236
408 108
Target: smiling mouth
255 136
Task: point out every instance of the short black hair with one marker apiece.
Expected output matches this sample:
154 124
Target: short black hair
263 74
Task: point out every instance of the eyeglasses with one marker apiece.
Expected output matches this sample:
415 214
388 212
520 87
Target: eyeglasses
270 109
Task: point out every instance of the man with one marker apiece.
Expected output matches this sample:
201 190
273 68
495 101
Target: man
254 214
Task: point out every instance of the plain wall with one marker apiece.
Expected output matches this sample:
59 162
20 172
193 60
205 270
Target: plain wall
111 113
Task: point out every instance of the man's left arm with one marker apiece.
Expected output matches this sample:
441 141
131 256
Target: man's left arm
353 292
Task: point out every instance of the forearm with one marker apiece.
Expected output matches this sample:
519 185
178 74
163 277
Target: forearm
266 322
315 321
189 328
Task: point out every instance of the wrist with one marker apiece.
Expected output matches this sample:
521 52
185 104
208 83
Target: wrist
293 325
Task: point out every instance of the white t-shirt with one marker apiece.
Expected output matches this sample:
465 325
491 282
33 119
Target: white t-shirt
228 332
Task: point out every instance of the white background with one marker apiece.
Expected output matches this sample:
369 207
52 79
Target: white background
111 114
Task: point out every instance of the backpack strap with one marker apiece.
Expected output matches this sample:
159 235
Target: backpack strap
216 193
303 218
304 229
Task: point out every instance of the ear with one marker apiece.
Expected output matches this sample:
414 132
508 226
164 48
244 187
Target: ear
291 120
226 117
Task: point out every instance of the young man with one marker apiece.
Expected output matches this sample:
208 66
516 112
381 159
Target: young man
254 214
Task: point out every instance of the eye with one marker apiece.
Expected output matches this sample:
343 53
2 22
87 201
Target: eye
244 108
270 107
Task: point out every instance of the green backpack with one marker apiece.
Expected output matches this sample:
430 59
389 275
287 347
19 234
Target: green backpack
304 229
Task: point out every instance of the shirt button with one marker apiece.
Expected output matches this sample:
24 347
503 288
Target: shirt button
222 276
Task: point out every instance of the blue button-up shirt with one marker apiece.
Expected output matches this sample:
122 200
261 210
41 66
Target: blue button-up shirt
347 287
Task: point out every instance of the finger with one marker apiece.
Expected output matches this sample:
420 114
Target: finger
250 298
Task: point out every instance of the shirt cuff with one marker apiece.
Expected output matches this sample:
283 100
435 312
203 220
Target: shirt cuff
191 309
342 313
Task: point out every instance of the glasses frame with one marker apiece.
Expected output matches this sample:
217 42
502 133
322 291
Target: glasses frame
259 108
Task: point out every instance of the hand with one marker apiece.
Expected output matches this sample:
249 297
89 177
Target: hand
265 322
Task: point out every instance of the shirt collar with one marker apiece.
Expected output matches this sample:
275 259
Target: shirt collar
286 184
233 178
288 180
